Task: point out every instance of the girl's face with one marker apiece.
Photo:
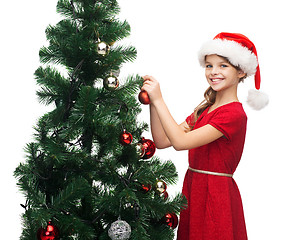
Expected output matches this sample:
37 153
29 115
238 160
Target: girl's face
221 74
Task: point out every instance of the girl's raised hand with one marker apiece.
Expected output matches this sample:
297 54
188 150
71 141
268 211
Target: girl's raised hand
151 86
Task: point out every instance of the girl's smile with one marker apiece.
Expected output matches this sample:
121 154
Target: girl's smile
216 80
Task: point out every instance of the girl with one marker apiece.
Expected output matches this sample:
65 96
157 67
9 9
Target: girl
214 134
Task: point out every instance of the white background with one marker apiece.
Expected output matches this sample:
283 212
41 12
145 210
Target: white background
167 35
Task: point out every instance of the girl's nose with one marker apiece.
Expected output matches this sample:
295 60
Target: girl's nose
214 70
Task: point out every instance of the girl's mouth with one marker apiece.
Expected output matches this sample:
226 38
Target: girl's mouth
216 80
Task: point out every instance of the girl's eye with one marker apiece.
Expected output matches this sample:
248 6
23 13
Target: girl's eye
224 65
208 66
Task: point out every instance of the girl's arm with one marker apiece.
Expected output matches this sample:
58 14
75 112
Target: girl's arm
178 138
158 133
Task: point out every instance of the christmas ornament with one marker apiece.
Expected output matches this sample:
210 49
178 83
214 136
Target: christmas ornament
126 138
171 220
102 48
140 149
111 82
166 195
143 97
119 230
50 233
146 188
160 187
149 148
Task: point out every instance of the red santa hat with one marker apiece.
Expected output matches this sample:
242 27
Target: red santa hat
241 52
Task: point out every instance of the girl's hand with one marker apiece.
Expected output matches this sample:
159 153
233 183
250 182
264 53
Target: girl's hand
151 86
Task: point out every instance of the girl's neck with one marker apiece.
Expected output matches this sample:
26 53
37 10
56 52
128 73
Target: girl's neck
223 98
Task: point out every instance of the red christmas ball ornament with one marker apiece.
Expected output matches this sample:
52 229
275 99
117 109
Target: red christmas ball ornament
171 220
149 148
126 138
50 233
166 195
146 188
143 97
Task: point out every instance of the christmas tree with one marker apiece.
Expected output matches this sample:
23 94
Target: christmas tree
89 173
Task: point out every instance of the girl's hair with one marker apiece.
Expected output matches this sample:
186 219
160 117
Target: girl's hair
210 96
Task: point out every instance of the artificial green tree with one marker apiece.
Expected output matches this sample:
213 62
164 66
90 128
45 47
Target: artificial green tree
83 171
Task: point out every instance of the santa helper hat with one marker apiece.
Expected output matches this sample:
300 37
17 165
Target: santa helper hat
241 52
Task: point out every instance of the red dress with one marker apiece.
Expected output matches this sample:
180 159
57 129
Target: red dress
215 209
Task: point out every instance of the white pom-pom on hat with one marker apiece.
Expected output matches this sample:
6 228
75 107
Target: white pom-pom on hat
241 52
257 99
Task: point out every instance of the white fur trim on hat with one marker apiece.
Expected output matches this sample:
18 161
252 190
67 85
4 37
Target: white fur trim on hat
257 99
237 54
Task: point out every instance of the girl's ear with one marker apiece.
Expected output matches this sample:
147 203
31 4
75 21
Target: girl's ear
241 74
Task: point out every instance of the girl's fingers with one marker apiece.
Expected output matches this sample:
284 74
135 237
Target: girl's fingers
148 81
146 77
149 78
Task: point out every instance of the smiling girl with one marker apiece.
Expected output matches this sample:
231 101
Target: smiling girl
214 134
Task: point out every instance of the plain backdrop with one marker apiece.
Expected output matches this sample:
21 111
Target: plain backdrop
167 35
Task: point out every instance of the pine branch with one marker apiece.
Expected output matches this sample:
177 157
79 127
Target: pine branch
122 54
65 8
165 171
73 192
54 86
132 85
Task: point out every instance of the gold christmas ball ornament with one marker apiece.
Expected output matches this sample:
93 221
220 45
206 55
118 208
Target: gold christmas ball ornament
160 187
111 83
103 48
